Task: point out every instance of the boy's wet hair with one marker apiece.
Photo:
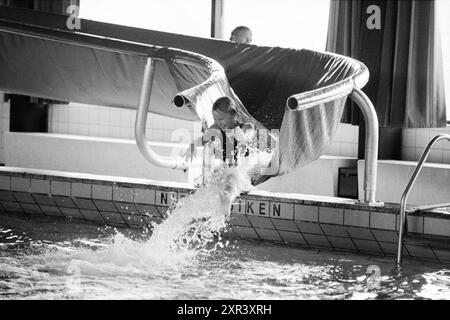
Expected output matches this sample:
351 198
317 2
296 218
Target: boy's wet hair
225 105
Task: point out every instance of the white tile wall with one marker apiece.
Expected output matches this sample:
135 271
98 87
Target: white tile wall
4 123
345 141
90 120
416 140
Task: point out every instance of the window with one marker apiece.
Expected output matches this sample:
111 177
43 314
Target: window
443 11
286 23
178 16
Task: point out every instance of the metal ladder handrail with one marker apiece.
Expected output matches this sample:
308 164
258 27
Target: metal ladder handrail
412 180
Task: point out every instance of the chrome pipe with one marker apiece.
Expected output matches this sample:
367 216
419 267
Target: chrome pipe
405 195
297 103
371 147
306 100
141 119
181 101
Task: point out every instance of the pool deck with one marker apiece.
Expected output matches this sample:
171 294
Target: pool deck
308 221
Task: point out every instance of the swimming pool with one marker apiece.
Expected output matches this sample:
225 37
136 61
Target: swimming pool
51 248
43 258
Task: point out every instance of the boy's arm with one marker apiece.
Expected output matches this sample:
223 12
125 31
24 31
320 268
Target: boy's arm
210 134
202 140
191 152
248 127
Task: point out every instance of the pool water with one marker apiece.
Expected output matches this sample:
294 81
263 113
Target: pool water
54 259
187 257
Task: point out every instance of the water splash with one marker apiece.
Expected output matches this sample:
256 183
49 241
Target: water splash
178 248
191 232
196 221
253 269
194 224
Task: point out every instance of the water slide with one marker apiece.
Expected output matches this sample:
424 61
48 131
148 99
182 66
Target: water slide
301 93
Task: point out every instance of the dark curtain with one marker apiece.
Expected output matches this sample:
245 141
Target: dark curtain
404 58
58 6
53 6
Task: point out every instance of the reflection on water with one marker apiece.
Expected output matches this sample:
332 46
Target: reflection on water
44 259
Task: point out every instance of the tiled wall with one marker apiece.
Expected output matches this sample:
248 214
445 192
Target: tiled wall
119 123
319 225
4 124
345 141
328 223
416 140
81 119
97 121
103 202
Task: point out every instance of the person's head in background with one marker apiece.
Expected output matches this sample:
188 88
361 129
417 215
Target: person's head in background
241 34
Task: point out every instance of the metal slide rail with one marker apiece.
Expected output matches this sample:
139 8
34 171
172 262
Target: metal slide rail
297 102
372 135
141 120
371 144
412 180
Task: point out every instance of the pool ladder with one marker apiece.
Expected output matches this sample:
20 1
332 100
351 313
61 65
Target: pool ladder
412 180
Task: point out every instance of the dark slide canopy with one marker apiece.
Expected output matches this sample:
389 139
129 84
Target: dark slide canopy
103 64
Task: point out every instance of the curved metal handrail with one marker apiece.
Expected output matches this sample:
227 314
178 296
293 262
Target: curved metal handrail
189 58
339 89
371 150
412 180
141 119
371 145
351 86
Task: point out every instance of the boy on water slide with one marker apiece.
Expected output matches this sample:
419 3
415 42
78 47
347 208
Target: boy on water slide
226 144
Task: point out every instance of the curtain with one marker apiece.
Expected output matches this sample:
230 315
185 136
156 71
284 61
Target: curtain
53 6
404 57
